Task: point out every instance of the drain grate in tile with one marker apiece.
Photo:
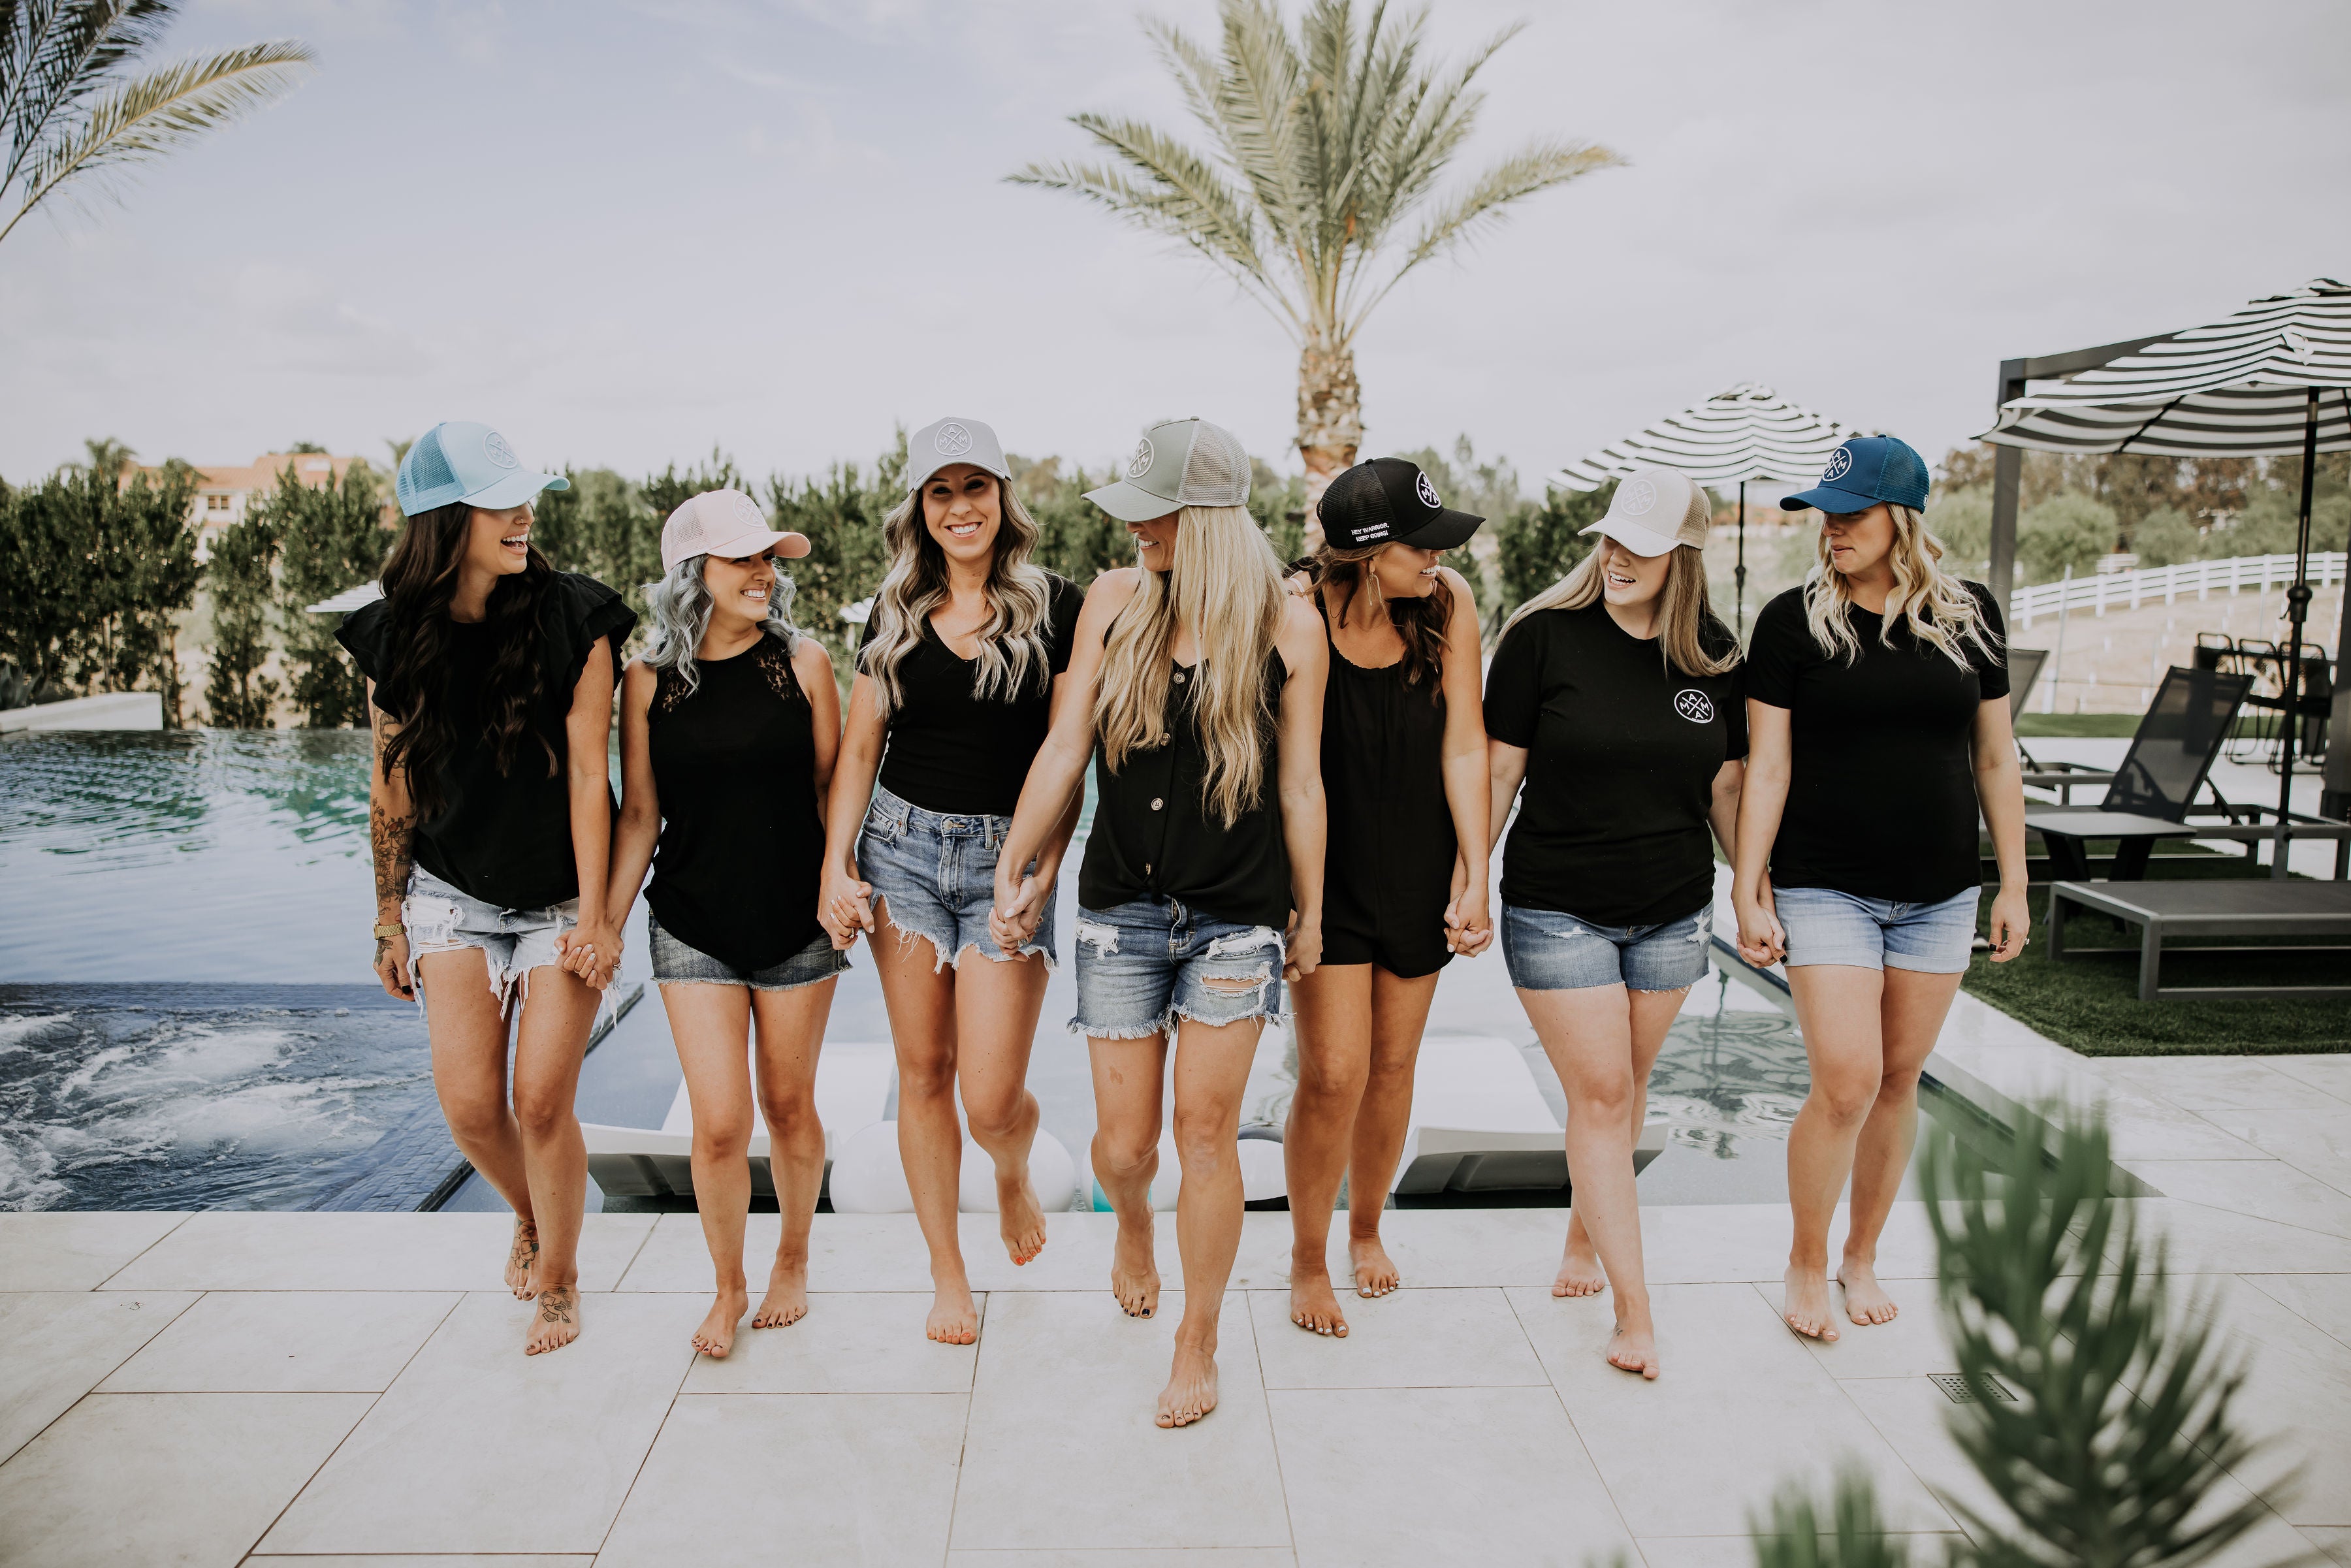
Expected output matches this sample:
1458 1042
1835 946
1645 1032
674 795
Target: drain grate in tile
1959 1391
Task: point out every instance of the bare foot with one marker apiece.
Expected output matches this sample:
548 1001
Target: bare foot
1020 1216
787 1299
1634 1347
1312 1303
1805 1305
521 1255
715 1337
1866 1301
1375 1271
1579 1268
1133 1274
1191 1391
556 1324
955 1317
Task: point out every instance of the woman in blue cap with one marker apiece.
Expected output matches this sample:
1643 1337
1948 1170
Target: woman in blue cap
490 680
1877 715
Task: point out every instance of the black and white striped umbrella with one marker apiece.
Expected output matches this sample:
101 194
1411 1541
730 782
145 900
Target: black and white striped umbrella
2237 388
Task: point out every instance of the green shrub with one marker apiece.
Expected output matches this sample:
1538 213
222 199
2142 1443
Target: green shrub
242 576
332 537
1537 546
2067 529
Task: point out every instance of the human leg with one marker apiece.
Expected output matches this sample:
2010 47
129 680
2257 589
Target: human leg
711 1025
997 1003
1212 1066
465 1022
790 1025
1837 1008
551 1037
1334 1033
1911 1011
920 997
1127 1074
1399 1018
1653 1014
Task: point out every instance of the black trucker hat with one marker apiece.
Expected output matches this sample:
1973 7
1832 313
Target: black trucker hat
1388 500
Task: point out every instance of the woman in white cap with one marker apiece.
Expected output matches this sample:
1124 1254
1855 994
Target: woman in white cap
1202 886
1403 772
958 675
490 680
729 727
1877 694
1615 697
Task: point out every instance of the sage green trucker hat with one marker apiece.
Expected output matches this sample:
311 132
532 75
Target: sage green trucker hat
1179 462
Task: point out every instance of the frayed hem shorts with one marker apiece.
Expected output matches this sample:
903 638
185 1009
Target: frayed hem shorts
935 877
1144 965
677 963
443 919
1546 950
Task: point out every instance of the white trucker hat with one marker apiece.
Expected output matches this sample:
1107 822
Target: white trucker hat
1179 462
1653 510
724 523
947 441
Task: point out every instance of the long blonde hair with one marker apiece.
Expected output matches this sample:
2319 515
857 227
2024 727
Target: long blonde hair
1685 619
1013 657
1940 608
1227 587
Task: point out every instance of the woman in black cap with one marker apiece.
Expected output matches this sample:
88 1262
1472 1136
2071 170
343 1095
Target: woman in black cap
1404 774
1877 695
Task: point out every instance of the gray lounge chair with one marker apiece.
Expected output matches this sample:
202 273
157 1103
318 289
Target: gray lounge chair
2237 907
2151 792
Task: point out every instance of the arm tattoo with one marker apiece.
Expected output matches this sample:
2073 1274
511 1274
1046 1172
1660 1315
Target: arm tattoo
390 837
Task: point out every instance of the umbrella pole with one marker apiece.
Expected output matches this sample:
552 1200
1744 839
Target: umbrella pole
2298 610
1739 574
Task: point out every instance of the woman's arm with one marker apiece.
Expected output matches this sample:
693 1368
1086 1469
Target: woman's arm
639 829
1762 797
843 903
595 942
2000 790
1505 770
812 667
392 831
1305 824
1722 810
1468 789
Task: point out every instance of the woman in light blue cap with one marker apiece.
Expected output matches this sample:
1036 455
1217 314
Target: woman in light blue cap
490 680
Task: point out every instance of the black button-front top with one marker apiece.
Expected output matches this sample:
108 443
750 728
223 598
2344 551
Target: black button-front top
1154 837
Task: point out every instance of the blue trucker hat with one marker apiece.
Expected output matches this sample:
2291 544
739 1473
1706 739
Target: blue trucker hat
1863 472
460 460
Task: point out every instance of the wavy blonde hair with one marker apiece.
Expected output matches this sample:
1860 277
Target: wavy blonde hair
1012 654
1685 619
1227 587
1940 609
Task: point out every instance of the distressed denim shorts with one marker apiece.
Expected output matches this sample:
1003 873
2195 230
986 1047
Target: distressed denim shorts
1547 951
934 876
677 964
1825 927
513 942
1145 965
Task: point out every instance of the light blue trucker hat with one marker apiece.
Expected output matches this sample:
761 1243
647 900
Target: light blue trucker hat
461 460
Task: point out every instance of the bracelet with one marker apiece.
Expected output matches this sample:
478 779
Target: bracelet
386 932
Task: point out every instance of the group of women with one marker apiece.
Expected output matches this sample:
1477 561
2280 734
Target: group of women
1300 774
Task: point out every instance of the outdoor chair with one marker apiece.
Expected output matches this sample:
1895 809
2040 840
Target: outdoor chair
2150 794
2240 907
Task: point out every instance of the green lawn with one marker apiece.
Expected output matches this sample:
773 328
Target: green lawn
2031 725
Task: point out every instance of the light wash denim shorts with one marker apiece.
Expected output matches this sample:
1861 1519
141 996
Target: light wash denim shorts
1825 927
513 942
1547 951
935 877
677 964
1145 965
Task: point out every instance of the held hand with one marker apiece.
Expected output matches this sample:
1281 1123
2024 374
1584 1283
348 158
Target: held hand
845 907
1012 924
2012 920
1762 941
1468 929
391 966
1304 945
592 951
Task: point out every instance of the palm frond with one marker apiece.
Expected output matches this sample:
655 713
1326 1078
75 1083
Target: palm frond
54 53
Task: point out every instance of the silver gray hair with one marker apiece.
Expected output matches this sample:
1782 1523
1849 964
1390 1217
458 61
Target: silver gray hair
679 607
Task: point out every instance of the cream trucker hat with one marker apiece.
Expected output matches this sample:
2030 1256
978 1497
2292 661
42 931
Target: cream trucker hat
1179 462
724 523
947 441
1653 510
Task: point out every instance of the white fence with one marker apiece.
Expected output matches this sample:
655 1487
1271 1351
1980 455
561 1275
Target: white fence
2169 584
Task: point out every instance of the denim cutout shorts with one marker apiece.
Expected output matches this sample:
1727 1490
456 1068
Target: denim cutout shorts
934 876
513 942
677 964
1825 927
1547 951
1145 965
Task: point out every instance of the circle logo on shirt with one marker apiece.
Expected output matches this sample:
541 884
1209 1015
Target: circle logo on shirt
952 441
1694 705
1635 498
1140 463
1839 462
495 448
1428 493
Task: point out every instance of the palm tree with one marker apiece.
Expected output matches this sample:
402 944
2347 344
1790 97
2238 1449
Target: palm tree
66 110
1322 149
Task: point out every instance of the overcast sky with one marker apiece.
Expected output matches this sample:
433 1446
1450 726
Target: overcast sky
624 232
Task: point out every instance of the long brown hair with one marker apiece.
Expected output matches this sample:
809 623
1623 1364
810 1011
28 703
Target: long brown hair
420 579
1013 658
1421 622
1691 637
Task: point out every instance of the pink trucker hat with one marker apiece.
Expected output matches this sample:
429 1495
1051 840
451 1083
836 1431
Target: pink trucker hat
724 523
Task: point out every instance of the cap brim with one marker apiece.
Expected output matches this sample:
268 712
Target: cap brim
752 541
1132 503
1647 543
515 489
1827 501
1448 529
916 481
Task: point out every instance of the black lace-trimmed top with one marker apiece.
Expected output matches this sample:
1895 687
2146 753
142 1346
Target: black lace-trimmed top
742 841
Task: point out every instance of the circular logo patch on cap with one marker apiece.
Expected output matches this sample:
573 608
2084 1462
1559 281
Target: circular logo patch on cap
952 441
495 448
1839 462
1694 705
1140 463
1636 498
1427 491
746 511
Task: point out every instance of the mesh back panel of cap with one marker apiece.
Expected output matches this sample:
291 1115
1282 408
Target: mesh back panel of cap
426 469
1216 472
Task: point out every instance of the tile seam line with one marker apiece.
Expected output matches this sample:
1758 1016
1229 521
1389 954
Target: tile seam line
2253 1282
621 1280
668 1411
1272 1432
963 1442
1582 1443
128 1355
1949 1510
134 1258
2241 1214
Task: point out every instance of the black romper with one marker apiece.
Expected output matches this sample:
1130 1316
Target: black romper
742 840
1388 872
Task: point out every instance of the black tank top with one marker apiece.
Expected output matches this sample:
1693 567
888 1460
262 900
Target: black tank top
1388 871
742 841
1154 837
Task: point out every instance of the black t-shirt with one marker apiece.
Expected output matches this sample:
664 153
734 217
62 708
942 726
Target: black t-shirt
1881 787
1622 755
504 839
950 751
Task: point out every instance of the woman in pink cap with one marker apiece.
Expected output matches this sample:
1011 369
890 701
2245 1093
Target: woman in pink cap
729 727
